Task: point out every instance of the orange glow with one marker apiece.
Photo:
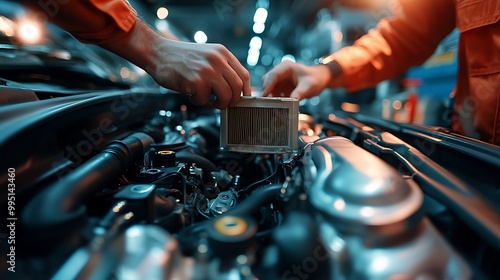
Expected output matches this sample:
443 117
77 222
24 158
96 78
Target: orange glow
397 105
350 107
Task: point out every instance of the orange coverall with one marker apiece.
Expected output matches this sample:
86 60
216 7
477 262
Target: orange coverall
90 21
408 38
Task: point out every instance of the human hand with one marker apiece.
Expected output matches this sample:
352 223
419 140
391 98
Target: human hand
200 70
295 80
196 69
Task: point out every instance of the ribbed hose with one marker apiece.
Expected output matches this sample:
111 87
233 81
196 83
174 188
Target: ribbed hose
63 202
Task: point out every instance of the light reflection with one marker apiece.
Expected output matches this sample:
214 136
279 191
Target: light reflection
288 57
6 26
366 211
380 263
339 204
349 107
397 105
125 73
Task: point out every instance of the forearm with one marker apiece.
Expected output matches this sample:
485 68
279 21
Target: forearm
137 46
406 39
198 70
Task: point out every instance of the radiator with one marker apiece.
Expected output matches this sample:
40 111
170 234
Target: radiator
261 125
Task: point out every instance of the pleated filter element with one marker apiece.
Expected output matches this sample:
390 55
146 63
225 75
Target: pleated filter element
261 125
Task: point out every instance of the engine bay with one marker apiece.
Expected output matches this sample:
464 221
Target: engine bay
134 185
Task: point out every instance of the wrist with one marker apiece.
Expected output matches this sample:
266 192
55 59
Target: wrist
336 77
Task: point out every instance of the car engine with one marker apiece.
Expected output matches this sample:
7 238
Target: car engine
126 184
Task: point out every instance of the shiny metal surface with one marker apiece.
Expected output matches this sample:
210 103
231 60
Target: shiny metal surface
424 255
371 220
358 190
150 253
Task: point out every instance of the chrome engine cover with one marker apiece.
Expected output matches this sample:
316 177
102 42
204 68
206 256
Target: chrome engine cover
371 218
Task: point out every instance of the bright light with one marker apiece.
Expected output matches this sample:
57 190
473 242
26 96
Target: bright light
339 204
29 32
253 56
397 105
162 13
366 211
288 57
200 37
256 42
260 15
379 263
139 70
258 27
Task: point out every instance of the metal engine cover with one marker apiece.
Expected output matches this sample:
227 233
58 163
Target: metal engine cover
371 217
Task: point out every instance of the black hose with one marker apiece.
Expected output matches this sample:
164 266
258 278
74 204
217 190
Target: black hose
201 162
62 204
258 198
256 184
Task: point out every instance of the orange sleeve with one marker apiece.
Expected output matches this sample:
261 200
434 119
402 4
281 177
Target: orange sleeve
403 40
90 21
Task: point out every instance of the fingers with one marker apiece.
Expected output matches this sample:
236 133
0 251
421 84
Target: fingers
202 69
213 82
231 78
236 84
301 91
268 83
225 94
280 73
242 74
200 93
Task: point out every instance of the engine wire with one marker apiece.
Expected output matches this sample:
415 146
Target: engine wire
199 210
260 182
183 182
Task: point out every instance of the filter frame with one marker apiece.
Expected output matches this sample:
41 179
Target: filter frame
292 106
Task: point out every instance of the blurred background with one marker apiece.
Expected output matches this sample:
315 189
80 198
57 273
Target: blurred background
263 33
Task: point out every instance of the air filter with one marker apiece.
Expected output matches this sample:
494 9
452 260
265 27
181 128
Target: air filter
261 125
